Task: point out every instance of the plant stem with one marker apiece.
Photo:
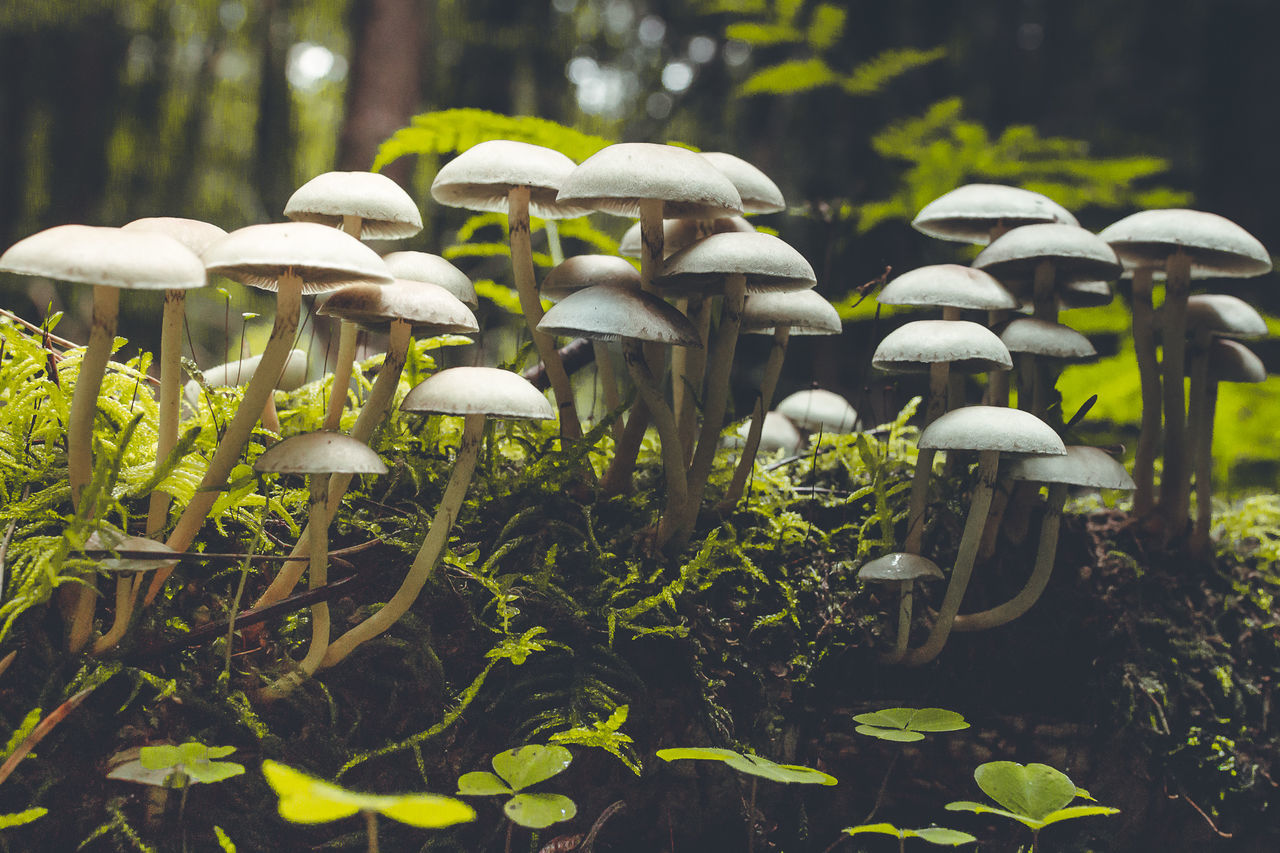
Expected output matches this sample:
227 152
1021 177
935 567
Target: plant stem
751 817
884 786
371 829
768 383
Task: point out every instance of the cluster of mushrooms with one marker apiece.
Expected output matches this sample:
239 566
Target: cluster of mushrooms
1037 255
704 276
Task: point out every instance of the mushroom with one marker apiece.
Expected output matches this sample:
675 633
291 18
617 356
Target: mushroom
423 266
1034 341
317 455
979 213
474 393
903 571
127 570
236 373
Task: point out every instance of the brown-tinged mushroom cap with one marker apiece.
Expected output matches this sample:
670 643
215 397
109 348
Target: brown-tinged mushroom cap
898 567
110 257
580 271
116 540
1217 246
478 391
949 286
482 177
758 191
1076 254
804 312
1081 466
617 178
1230 361
1223 314
992 428
195 234
609 312
968 347
767 262
417 302
323 257
679 233
386 211
815 409
321 452
424 266
1046 339
968 213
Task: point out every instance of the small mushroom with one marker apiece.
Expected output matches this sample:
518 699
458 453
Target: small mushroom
902 570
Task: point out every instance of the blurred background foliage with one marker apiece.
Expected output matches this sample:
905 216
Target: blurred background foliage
218 109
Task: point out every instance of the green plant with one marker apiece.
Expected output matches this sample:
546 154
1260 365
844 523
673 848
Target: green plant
305 799
933 834
1035 795
518 769
904 725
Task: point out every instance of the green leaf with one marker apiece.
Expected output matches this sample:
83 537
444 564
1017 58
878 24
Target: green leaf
753 765
896 735
888 718
482 783
224 840
937 720
1071 812
757 33
933 834
904 725
529 765
305 799
826 26
537 811
1032 790
23 817
980 808
876 828
430 811
872 75
212 771
790 77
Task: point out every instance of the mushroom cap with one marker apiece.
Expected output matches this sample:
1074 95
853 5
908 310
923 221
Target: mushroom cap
1230 361
617 178
320 452
323 257
424 266
110 257
1046 339
967 346
968 213
116 540
815 409
679 233
948 285
195 234
767 262
1085 294
758 191
486 391
899 566
235 373
386 210
607 312
418 302
1076 254
778 432
573 274
1081 466
1226 315
991 428
1217 246
483 176
804 312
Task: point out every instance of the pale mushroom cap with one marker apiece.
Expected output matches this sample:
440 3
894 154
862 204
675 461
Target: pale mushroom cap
1046 339
804 312
778 432
1230 361
1224 314
767 262
1217 246
385 209
240 372
967 346
815 409
1085 294
899 566
1081 466
1076 254
991 428
117 541
968 213
424 266
758 191
478 391
617 178
417 302
950 286
679 233
482 177
321 452
323 257
608 312
110 257
195 234
573 274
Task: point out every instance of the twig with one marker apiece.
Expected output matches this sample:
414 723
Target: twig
38 733
1183 794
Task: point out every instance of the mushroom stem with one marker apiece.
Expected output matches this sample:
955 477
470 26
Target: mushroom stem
1144 346
997 393
979 503
170 399
126 590
935 407
84 408
768 383
1203 437
527 288
260 388
906 602
1045 307
1030 593
372 414
348 337
668 433
687 383
318 571
955 378
428 555
609 380
1197 394
1175 493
